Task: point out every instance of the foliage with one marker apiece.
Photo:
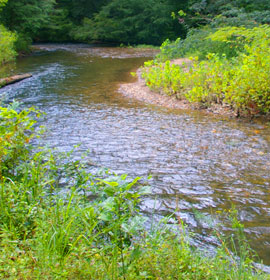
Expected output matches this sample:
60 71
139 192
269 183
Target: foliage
203 18
131 22
115 21
7 40
58 28
23 43
81 33
145 47
59 221
128 22
226 40
80 9
227 13
197 43
3 3
26 18
15 134
237 37
241 82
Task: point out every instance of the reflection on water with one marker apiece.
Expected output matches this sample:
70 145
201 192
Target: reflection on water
198 162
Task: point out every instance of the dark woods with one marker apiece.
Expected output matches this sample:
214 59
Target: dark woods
123 21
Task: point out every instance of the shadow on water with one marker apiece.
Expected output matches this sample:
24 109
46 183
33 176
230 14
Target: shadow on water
199 163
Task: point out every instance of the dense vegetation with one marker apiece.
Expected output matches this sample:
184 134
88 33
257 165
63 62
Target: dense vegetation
234 70
59 221
229 54
7 41
121 21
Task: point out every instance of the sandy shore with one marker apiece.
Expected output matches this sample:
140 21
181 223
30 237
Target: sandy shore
139 91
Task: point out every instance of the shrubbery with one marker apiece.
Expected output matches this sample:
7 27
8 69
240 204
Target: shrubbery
7 41
239 77
198 43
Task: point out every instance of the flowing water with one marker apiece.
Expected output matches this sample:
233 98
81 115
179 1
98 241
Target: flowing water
199 164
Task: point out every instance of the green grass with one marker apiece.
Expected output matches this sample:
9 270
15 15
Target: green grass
59 221
141 46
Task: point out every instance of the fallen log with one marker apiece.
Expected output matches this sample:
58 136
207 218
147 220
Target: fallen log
13 79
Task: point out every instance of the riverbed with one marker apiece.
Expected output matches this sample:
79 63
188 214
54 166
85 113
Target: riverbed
200 164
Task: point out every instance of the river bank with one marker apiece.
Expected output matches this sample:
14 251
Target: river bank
213 86
140 91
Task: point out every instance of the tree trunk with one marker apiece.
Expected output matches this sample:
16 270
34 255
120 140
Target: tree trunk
13 79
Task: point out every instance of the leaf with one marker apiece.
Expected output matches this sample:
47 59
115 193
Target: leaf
105 216
132 183
110 191
136 253
113 184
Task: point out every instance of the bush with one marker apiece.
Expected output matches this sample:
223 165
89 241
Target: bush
16 131
7 41
197 43
23 43
241 82
216 16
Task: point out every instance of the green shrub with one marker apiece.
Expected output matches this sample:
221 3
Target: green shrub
16 131
7 41
197 43
241 82
23 43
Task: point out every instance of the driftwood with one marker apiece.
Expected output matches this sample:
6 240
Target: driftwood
13 79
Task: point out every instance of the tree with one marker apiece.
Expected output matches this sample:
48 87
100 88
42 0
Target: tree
58 28
134 21
79 9
3 3
26 16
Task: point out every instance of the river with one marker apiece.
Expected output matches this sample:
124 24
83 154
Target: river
200 164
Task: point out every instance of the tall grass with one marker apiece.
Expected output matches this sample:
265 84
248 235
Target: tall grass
59 221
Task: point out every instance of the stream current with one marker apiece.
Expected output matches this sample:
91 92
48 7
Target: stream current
200 164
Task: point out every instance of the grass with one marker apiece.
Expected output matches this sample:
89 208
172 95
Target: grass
141 46
59 221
